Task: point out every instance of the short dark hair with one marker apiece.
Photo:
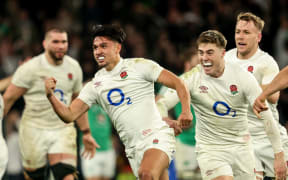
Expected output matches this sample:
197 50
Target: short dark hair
213 37
54 29
114 32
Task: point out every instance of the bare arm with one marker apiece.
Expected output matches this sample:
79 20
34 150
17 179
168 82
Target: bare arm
67 114
4 83
11 95
172 81
82 121
279 82
273 135
89 142
273 99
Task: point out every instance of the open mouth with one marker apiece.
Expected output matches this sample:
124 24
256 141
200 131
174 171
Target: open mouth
100 59
240 44
207 64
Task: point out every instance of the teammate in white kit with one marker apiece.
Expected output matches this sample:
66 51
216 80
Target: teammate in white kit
125 90
279 82
3 145
43 136
220 94
249 56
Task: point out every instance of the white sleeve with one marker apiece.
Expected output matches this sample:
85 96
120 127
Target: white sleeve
23 76
270 71
253 90
79 81
148 68
167 102
87 94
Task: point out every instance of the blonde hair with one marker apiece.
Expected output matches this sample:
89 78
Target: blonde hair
248 16
213 37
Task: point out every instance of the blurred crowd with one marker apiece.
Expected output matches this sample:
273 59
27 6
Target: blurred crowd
160 30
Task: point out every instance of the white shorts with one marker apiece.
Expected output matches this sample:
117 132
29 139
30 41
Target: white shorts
264 155
101 165
163 140
185 157
3 156
36 144
235 161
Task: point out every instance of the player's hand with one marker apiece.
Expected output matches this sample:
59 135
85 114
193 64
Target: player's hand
173 124
90 146
185 120
50 84
280 166
259 105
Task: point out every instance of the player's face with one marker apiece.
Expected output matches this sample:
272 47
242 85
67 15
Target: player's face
57 45
212 59
106 52
247 38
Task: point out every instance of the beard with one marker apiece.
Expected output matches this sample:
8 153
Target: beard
55 57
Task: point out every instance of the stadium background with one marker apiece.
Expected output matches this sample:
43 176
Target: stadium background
156 29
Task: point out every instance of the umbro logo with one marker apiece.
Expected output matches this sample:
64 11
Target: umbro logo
203 89
97 83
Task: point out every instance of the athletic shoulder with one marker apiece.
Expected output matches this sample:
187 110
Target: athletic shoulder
231 54
195 71
265 56
137 61
71 61
34 62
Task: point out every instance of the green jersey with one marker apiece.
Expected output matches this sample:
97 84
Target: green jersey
100 127
188 135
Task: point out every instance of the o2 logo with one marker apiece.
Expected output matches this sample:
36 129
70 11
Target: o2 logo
61 93
120 92
229 111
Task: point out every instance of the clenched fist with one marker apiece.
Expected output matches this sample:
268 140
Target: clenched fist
50 84
185 120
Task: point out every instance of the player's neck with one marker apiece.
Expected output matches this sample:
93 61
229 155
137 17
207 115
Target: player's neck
113 63
220 71
248 55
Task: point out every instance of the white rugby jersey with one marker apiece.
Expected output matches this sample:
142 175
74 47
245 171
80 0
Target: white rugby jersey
127 94
38 111
1 115
3 145
264 68
220 104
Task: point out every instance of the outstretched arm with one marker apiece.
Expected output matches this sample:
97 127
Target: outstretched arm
67 114
4 83
172 81
11 95
273 135
279 82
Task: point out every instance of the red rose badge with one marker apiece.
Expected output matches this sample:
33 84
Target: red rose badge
123 75
233 89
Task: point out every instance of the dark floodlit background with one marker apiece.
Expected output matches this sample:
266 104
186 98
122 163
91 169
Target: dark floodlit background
156 29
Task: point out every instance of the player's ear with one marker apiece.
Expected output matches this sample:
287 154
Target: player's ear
223 52
259 37
119 47
44 44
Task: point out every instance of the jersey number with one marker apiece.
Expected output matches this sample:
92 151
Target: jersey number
128 99
228 109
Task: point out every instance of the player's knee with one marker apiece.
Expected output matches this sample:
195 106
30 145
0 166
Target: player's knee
38 174
61 170
145 174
